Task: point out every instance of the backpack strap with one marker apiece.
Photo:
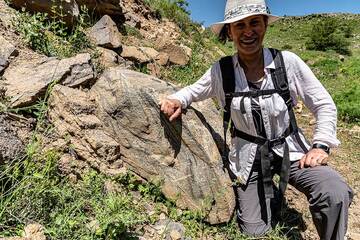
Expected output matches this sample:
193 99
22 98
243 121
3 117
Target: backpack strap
228 79
281 83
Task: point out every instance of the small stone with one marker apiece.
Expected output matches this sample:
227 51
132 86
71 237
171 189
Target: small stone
162 216
299 107
93 226
34 231
342 58
312 121
175 235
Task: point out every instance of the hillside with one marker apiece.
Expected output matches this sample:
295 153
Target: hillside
84 150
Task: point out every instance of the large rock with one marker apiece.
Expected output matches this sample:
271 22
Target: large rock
177 54
26 82
7 50
73 113
68 10
103 7
134 54
119 121
105 33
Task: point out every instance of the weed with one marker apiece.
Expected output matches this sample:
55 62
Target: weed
174 10
348 103
132 31
50 36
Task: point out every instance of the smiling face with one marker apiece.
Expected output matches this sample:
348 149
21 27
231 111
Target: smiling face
248 34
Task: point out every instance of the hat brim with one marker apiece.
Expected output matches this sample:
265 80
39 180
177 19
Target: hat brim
217 27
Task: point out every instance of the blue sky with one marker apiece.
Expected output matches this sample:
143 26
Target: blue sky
210 11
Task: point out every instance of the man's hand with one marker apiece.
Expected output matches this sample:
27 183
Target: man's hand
313 158
171 108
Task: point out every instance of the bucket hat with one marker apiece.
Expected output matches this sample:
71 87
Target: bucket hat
236 10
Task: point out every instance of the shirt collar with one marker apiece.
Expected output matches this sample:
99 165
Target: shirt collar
268 60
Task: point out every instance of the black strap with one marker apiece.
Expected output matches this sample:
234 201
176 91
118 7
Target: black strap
280 82
253 94
228 79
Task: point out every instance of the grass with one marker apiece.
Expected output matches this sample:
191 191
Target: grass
52 37
174 10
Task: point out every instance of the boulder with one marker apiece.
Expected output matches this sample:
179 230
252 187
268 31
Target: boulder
187 50
162 59
177 54
7 50
150 52
27 82
134 54
68 9
108 58
105 33
119 121
103 7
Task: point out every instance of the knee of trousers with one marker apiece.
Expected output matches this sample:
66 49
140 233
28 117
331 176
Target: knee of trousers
254 229
331 193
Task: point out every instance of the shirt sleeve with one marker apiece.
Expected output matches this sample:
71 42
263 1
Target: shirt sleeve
207 86
316 98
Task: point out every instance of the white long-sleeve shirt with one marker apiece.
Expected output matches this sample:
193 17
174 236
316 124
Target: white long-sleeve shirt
302 83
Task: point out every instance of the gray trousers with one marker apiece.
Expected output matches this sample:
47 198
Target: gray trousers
328 194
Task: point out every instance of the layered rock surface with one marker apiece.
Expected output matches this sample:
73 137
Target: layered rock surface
28 81
118 122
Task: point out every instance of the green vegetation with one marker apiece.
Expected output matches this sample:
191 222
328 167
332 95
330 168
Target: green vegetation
328 34
174 10
51 36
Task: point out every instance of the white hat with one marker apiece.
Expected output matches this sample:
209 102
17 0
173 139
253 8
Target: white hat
236 10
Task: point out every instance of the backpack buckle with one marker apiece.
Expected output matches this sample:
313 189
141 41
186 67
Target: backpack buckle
276 142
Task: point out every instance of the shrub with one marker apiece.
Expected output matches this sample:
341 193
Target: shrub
174 10
348 103
50 36
326 34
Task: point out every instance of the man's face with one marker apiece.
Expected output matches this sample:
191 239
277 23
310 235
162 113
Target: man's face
248 34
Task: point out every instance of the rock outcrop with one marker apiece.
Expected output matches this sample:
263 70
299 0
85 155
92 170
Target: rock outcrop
118 123
7 50
26 82
69 9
